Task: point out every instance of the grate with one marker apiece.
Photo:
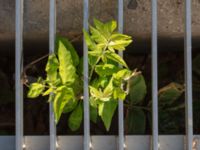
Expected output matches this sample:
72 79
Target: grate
87 138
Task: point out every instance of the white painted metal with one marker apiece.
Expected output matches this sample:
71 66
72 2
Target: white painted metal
104 142
137 142
86 143
70 142
154 64
18 72
52 34
171 142
188 75
120 103
37 142
7 143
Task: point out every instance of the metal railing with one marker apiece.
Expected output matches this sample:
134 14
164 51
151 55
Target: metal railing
87 138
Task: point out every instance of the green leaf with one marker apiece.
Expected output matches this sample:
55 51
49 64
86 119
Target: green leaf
70 48
75 118
100 82
95 53
122 74
136 121
98 94
47 92
35 90
110 26
119 44
52 67
106 29
170 93
90 43
93 114
78 85
71 105
97 36
98 24
103 81
62 97
106 112
67 70
119 36
92 60
119 41
95 92
118 93
138 89
108 91
106 69
115 57
93 102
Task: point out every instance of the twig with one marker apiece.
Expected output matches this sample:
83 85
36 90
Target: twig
23 75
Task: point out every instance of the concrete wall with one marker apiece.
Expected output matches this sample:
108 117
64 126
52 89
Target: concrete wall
69 19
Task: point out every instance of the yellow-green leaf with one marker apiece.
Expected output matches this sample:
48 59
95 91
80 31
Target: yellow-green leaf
122 74
35 90
67 70
70 47
97 36
106 69
118 93
52 67
90 43
111 26
62 97
119 44
98 94
115 57
47 92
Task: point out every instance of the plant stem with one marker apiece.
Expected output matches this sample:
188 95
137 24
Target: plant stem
98 59
93 67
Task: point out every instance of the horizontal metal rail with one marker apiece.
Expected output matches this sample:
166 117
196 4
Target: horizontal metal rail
166 142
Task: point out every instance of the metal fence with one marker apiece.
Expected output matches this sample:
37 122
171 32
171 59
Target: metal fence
21 141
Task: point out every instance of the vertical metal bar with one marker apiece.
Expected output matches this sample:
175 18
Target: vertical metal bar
52 33
86 142
120 103
154 76
18 72
188 75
